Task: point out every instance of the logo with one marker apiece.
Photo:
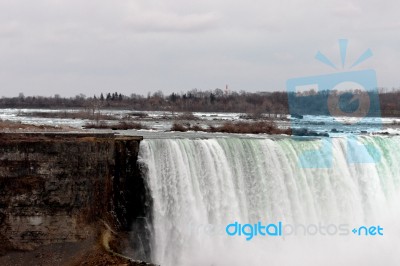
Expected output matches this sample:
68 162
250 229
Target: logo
280 229
350 98
251 230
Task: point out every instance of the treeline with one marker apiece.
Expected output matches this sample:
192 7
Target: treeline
214 101
352 102
390 103
192 101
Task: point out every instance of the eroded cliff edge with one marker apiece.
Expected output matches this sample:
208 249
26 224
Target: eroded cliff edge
60 187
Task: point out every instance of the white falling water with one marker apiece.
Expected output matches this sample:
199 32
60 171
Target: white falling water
199 186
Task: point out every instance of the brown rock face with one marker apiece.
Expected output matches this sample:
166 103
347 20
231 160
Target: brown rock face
55 187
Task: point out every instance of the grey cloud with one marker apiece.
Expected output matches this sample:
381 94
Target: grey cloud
71 46
347 9
169 22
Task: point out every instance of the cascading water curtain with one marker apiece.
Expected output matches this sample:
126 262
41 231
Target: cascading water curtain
199 186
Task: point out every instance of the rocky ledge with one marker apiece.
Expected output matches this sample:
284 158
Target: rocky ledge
60 190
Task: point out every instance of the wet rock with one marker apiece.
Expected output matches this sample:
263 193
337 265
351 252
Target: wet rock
54 188
296 115
303 132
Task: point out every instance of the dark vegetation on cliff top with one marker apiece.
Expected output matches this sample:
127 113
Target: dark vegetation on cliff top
122 125
258 127
13 126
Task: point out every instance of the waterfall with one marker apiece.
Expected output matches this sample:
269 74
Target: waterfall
199 186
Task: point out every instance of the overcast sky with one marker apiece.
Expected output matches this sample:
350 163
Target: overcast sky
69 47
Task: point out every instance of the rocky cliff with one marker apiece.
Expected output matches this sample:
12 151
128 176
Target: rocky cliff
55 187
